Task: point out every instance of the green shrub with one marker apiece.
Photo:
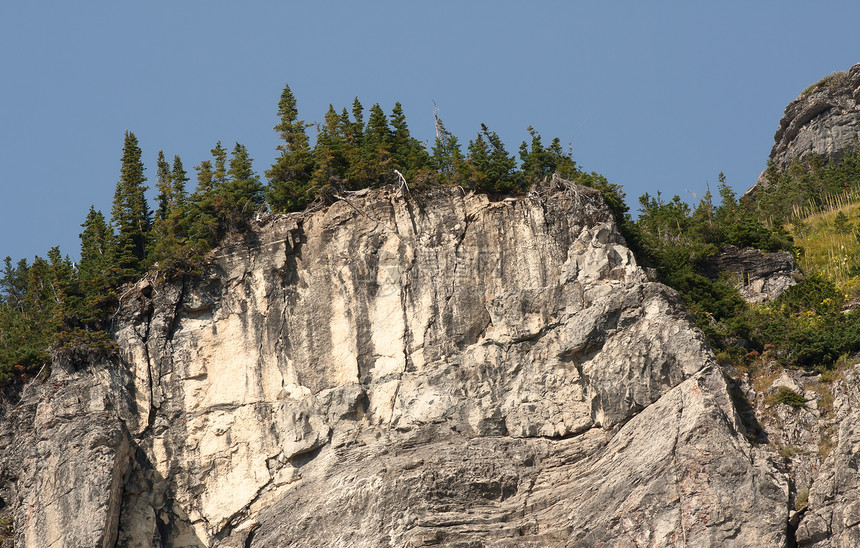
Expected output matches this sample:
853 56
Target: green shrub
788 397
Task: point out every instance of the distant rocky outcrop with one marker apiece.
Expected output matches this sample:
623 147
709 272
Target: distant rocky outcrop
758 276
823 120
398 370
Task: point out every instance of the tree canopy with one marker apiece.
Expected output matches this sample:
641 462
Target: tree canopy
53 301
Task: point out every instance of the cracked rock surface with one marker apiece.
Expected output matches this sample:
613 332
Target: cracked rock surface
409 370
832 518
758 276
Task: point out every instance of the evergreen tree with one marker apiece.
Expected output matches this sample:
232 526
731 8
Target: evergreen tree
179 177
728 210
164 185
13 284
491 167
96 271
130 215
478 163
364 147
539 162
66 305
243 192
169 229
329 152
446 157
205 179
561 162
96 247
290 175
219 169
376 154
203 230
377 127
357 128
245 186
360 172
408 153
535 160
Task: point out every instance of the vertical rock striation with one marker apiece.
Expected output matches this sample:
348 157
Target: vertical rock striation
401 370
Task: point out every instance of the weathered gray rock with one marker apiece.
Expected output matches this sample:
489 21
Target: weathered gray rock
823 121
410 370
677 474
74 458
758 276
833 516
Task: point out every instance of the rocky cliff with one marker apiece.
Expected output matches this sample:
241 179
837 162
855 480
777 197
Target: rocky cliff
823 120
399 370
758 276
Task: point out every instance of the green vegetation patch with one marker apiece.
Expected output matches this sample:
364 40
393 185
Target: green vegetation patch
56 304
786 396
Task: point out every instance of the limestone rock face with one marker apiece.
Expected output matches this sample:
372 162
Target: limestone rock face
408 370
70 450
823 120
758 276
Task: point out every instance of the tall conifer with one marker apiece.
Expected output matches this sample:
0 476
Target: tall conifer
290 175
219 169
164 185
130 215
203 229
408 153
178 177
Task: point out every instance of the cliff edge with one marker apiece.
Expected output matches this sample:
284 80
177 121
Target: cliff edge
440 368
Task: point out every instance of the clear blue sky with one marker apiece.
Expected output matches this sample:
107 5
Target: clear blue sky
655 95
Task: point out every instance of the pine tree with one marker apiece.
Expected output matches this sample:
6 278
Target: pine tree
96 246
219 169
65 309
245 184
491 167
377 127
534 161
242 194
130 215
561 161
169 229
728 211
399 139
359 172
375 152
164 185
203 229
13 284
357 128
97 270
478 163
205 179
408 153
290 175
329 152
178 177
446 158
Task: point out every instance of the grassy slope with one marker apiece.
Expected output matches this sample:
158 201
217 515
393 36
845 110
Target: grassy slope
827 251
